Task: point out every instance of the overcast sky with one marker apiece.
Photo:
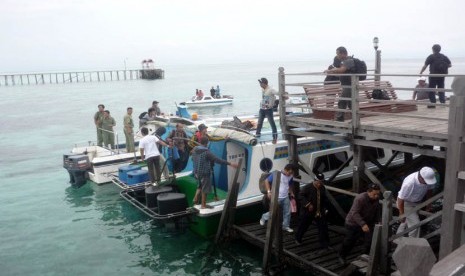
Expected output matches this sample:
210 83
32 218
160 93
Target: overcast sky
94 34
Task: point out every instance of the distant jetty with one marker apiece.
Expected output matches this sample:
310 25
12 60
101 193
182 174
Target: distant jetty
147 72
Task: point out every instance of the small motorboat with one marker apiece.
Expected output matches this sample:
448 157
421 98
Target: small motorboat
204 101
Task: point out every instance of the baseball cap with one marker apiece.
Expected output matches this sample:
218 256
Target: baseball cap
428 175
421 79
202 127
319 176
263 80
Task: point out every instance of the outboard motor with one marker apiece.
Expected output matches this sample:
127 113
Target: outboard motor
77 166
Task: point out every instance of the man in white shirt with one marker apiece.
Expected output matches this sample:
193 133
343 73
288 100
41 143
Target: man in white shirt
149 151
266 108
414 188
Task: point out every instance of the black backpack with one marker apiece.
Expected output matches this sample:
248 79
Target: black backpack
440 65
360 67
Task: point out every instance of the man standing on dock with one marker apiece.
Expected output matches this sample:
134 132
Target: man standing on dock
285 189
347 64
313 208
107 125
414 188
438 64
129 130
360 221
98 118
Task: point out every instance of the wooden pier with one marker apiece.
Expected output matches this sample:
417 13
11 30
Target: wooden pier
79 76
404 126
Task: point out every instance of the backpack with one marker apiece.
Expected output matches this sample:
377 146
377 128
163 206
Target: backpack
360 67
142 115
440 65
379 94
261 182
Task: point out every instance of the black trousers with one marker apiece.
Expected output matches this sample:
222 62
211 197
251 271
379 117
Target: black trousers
305 220
353 234
436 82
153 166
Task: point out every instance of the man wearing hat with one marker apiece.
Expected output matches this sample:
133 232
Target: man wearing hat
156 108
313 208
266 108
419 93
414 188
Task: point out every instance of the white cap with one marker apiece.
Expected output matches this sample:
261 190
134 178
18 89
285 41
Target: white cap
428 175
421 79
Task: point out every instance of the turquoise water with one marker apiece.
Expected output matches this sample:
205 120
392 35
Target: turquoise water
49 228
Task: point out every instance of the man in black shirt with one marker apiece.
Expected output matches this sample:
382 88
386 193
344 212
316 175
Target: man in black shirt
438 64
313 208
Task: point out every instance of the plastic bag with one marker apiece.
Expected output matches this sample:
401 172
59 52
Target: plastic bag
293 205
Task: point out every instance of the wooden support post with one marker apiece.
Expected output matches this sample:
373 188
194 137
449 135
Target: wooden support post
21 79
125 72
77 77
374 251
56 78
358 169
28 81
84 76
117 75
43 79
98 76
229 209
104 76
111 75
13 80
6 80
271 226
90 76
385 233
454 188
130 74
70 78
35 76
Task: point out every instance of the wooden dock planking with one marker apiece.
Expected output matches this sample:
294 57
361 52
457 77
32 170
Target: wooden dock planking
308 255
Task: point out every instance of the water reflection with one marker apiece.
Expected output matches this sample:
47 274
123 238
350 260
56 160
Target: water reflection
80 197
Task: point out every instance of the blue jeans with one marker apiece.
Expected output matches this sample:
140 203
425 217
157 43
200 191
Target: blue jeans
268 113
285 205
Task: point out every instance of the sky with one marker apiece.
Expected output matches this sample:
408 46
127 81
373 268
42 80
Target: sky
48 35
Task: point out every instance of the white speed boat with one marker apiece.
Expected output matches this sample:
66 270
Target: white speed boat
208 101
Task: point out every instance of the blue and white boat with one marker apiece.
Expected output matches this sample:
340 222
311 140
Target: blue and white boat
206 101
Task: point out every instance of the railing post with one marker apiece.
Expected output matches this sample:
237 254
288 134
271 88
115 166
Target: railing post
273 226
386 217
282 108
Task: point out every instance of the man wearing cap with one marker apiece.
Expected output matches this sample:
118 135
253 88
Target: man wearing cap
438 64
266 108
414 188
360 221
419 93
313 208
156 108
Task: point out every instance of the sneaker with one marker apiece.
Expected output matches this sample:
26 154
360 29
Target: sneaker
274 141
288 229
262 222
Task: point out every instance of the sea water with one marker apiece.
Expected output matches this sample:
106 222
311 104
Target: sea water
49 228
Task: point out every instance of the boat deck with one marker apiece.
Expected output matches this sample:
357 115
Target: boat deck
308 255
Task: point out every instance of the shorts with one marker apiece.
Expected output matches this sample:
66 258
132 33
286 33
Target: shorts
205 184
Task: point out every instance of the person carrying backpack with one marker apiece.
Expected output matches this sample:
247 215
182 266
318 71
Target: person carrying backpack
204 160
347 66
438 64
